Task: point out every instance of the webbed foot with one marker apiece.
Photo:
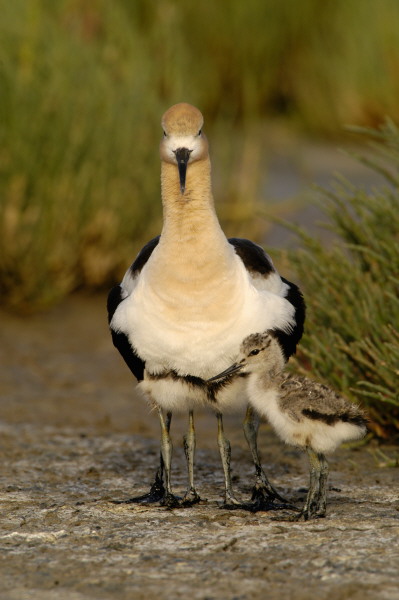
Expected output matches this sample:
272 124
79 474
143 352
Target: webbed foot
264 499
156 493
169 500
231 503
314 511
191 497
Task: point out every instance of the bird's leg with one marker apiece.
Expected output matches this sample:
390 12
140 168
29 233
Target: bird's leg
168 498
225 454
191 496
263 493
315 503
157 490
322 500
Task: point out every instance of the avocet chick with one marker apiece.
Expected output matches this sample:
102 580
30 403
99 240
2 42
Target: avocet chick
303 412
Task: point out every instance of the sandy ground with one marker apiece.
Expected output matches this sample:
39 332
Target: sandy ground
74 437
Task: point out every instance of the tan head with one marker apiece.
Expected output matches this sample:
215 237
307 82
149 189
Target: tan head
183 141
259 353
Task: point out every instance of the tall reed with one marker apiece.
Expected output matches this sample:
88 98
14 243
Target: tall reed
352 289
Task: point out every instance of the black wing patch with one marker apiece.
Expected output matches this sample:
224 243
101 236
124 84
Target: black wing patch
120 340
253 256
256 261
289 341
331 418
144 255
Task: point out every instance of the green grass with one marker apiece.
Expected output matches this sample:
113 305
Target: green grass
83 85
352 289
71 204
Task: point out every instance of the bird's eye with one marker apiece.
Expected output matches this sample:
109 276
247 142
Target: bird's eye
165 134
254 352
200 131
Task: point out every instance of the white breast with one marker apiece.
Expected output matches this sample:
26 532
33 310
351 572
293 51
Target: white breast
198 333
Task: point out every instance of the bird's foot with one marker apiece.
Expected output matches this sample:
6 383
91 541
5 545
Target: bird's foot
156 493
231 503
311 510
169 500
191 497
264 490
307 515
268 504
264 499
314 507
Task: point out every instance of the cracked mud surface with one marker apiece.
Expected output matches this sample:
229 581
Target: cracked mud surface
74 437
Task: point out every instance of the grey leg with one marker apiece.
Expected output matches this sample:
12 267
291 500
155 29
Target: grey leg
322 501
225 454
166 452
191 496
157 491
315 503
263 494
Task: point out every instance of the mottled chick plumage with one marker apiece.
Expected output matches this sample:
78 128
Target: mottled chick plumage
303 412
305 397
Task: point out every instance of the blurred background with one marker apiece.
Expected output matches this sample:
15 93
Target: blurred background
83 85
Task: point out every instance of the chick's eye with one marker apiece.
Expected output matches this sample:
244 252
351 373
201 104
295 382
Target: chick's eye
200 131
254 352
164 134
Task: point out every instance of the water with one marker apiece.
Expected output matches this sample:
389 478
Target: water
292 173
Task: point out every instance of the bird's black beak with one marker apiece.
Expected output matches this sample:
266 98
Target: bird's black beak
233 369
182 156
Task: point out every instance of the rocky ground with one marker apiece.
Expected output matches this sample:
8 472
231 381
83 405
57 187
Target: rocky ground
74 437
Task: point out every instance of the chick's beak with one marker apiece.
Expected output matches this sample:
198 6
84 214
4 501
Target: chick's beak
233 369
182 157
